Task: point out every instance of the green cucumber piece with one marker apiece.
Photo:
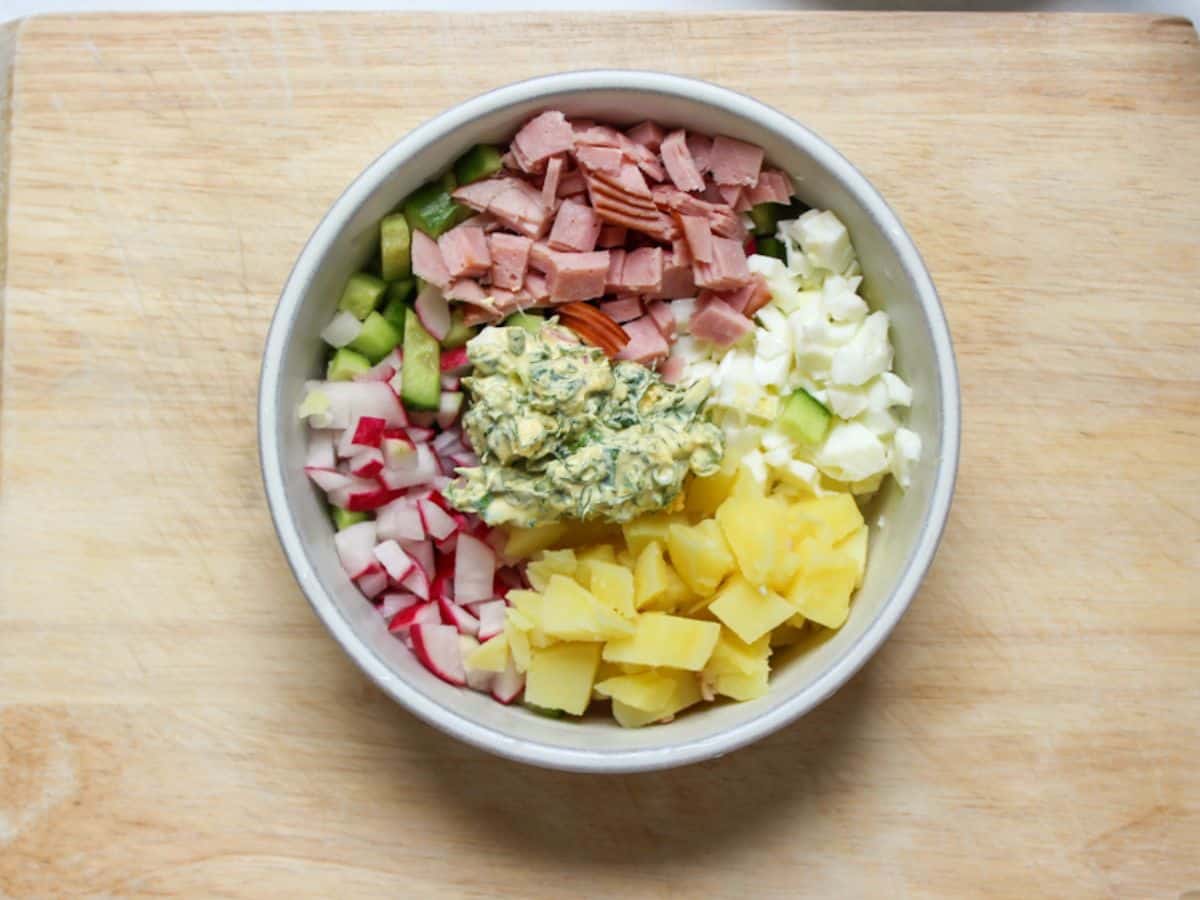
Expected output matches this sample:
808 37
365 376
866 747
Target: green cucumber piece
477 163
460 332
546 711
396 308
345 364
377 339
531 323
421 377
343 518
395 247
362 294
766 216
431 209
770 246
804 418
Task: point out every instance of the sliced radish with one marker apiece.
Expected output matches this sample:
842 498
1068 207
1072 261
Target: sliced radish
438 523
396 382
372 583
474 570
433 311
328 479
350 399
368 431
447 546
454 362
397 563
360 498
415 614
464 460
400 520
437 647
354 548
451 614
396 449
448 441
391 603
416 469
440 482
384 370
449 406
477 679
451 382
417 582
367 463
343 329
507 685
422 554
491 618
320 451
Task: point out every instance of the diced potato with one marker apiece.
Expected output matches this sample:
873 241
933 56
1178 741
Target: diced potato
645 529
587 556
587 534
732 654
490 656
700 555
648 691
838 514
524 542
613 585
651 575
666 641
789 633
685 693
855 546
572 613
704 495
551 562
561 677
751 532
526 609
742 687
746 485
750 612
518 643
821 592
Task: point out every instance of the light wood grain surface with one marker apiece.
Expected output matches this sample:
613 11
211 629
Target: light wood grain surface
174 720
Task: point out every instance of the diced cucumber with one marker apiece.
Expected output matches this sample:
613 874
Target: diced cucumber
531 323
460 332
765 216
395 247
345 364
479 162
343 518
420 375
546 711
377 339
362 294
431 209
449 180
396 307
770 246
804 418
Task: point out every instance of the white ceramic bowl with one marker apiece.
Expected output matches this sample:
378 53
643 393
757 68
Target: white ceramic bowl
895 280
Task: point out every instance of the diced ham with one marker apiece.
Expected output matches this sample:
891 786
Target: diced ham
577 276
660 312
658 226
642 271
467 290
673 368
743 203
772 187
479 194
514 202
646 342
535 288
700 147
728 269
576 227
616 262
477 315
571 183
698 236
678 280
624 309
550 185
427 260
540 138
600 159
716 321
712 193
749 298
612 236
645 158
595 135
629 179
735 162
648 134
679 163
465 251
723 220
510 257
540 256
731 194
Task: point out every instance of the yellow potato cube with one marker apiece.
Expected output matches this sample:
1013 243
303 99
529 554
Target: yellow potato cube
704 495
585 558
700 555
667 641
586 534
742 687
733 655
838 514
522 543
645 529
648 691
821 592
551 562
651 575
751 530
855 547
613 585
572 613
748 611
686 691
490 656
560 677
518 643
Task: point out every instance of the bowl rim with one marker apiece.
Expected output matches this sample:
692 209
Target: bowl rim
546 88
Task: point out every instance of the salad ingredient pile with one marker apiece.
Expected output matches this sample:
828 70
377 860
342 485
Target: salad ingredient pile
598 418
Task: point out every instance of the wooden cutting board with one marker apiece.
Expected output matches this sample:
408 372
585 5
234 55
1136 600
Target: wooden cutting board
174 720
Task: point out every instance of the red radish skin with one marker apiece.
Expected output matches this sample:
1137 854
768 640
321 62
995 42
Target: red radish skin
367 464
433 311
368 431
366 501
415 614
438 649
455 362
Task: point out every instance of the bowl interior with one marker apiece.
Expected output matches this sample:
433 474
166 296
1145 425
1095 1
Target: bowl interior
346 238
